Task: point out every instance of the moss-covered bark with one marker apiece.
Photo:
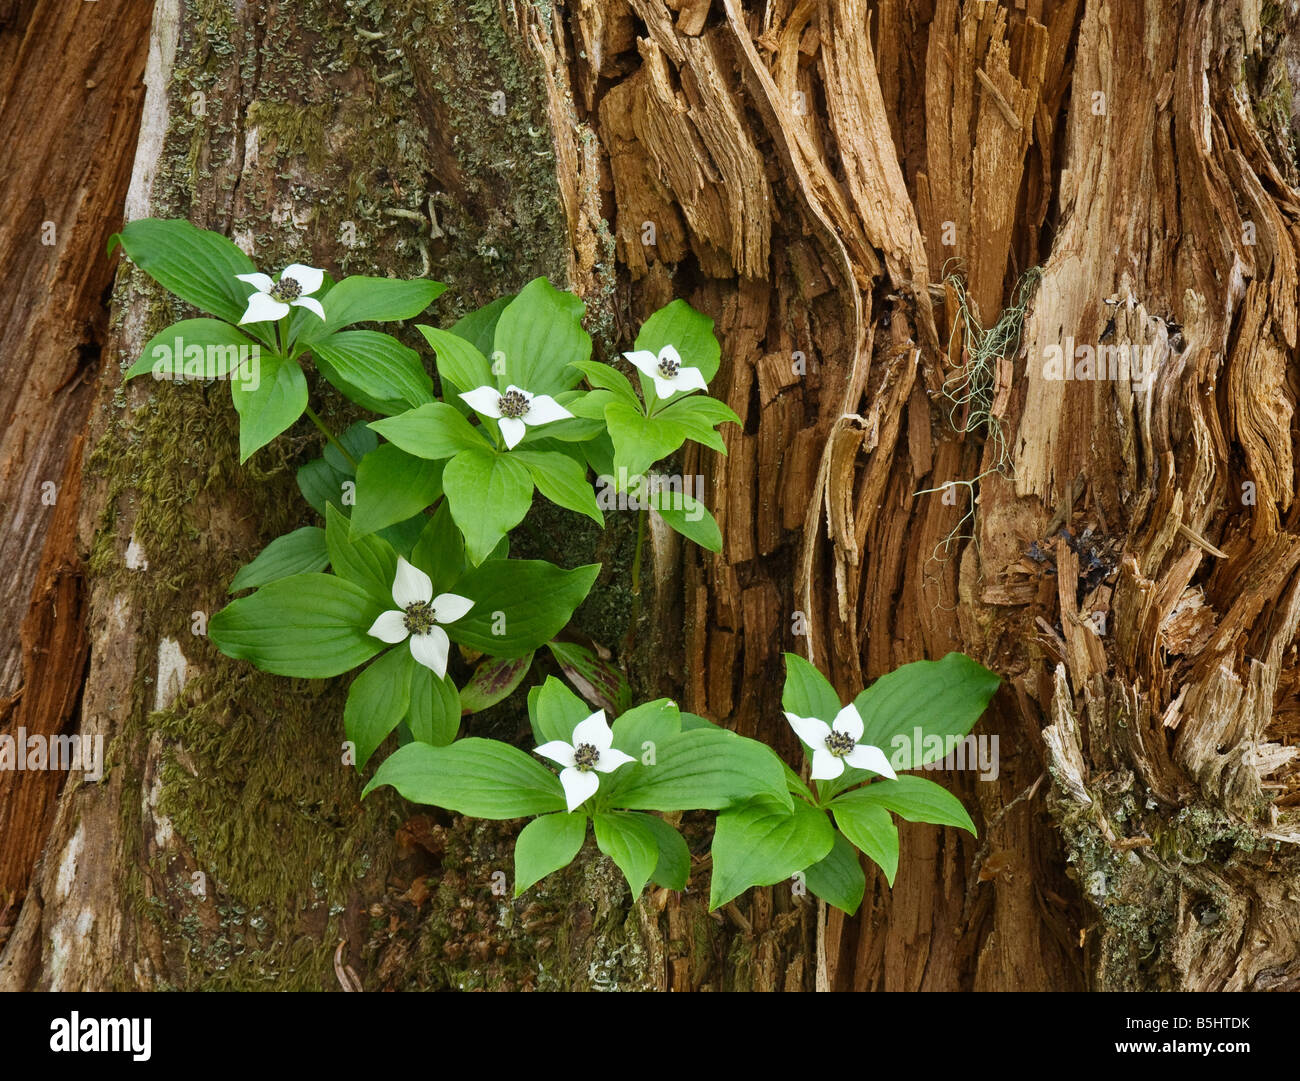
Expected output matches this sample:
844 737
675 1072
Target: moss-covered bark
232 848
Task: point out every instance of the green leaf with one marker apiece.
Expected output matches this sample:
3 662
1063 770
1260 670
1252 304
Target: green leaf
562 480
483 778
604 377
494 680
370 300
545 845
375 370
358 440
795 784
269 407
698 416
377 700
489 494
869 826
538 336
393 486
655 723
703 769
674 865
321 481
367 561
434 716
199 349
535 600
914 798
298 552
689 517
943 698
459 363
640 441
435 430
807 692
308 625
692 721
838 879
479 327
601 682
761 843
554 711
631 844
440 551
197 265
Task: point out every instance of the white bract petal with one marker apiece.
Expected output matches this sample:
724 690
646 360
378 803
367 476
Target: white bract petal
543 409
311 305
594 730
261 282
578 786
670 354
644 361
309 278
431 650
690 379
849 721
665 388
611 759
485 400
825 766
557 751
449 607
864 756
411 586
390 627
512 430
809 729
262 308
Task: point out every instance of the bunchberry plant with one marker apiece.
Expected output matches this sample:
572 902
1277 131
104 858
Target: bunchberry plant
856 785
265 327
413 557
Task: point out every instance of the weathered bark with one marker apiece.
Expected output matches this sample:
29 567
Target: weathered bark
67 137
813 173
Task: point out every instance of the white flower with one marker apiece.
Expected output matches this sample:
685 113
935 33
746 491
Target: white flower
591 749
667 371
273 299
418 615
836 743
515 410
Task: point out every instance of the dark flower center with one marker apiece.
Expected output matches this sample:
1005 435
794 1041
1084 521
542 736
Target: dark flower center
840 743
512 404
286 289
585 756
669 367
419 618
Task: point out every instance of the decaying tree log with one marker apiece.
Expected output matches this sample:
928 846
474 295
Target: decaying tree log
906 219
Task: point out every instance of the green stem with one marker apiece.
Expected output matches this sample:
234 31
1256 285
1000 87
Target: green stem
636 559
330 436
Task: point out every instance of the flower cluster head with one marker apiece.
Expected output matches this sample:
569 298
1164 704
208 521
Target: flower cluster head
667 372
274 298
591 752
836 744
515 410
418 615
